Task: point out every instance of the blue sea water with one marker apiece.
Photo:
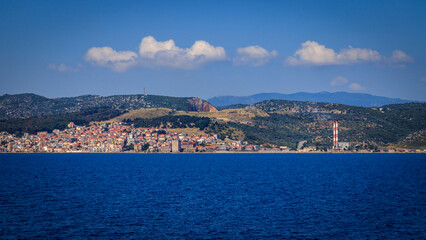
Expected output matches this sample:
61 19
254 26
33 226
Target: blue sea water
211 196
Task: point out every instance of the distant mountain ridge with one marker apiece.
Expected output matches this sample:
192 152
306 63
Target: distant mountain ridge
29 104
352 99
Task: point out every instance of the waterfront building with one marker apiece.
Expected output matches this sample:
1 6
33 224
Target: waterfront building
176 146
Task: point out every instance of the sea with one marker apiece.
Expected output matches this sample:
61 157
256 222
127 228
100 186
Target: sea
212 196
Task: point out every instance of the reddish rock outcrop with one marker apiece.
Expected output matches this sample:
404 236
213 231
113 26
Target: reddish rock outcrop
199 105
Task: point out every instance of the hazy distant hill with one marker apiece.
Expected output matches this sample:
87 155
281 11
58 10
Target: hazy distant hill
28 104
353 99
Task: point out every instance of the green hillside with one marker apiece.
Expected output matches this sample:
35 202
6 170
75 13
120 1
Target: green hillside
312 121
288 122
277 122
60 121
29 105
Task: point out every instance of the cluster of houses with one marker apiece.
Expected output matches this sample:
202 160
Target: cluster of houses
117 137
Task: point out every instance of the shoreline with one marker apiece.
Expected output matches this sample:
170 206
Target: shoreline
218 152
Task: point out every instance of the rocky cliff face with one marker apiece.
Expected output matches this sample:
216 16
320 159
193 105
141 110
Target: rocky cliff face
199 105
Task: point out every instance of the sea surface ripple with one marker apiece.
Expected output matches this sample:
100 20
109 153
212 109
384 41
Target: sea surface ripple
212 196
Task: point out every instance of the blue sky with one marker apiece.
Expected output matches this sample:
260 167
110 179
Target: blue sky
213 48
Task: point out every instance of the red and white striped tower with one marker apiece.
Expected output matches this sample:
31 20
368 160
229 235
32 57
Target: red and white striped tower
335 135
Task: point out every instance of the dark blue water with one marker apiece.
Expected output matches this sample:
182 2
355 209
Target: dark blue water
210 196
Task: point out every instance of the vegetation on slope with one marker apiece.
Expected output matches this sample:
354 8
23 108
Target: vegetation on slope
171 122
286 130
209 126
233 115
24 105
33 125
357 124
277 122
414 140
234 106
142 113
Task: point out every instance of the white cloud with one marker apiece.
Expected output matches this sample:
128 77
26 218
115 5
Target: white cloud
108 57
166 53
313 53
60 67
357 55
339 81
254 56
355 87
149 47
399 56
398 59
342 81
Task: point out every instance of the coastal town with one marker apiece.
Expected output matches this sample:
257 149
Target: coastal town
118 137
115 138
